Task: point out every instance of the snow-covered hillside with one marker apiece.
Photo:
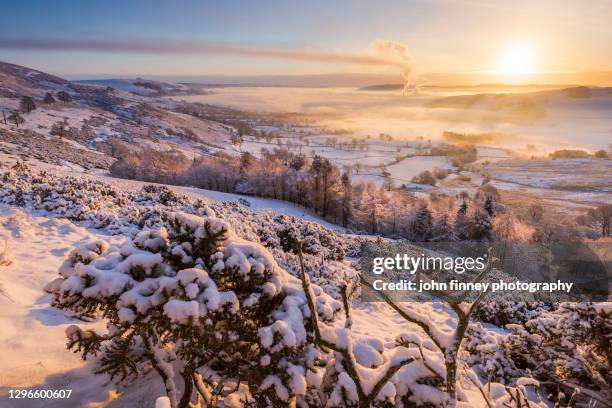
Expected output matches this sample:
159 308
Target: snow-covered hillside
100 235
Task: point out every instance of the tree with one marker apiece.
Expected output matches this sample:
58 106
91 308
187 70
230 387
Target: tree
387 180
441 230
489 206
450 351
64 96
16 118
601 154
461 224
398 206
59 128
371 207
480 228
329 184
236 140
48 98
603 216
315 173
535 213
421 225
297 162
347 199
246 160
26 104
352 393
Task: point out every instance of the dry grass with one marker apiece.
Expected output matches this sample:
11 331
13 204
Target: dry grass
5 256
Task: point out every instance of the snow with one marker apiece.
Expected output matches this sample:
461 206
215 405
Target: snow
39 245
132 269
182 312
163 402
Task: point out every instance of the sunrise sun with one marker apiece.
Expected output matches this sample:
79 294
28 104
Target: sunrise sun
517 60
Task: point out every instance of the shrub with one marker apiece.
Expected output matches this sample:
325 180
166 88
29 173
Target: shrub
569 154
566 349
26 104
16 118
440 174
458 155
6 258
601 154
64 96
191 292
425 177
48 98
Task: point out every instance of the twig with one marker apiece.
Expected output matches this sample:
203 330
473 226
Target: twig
348 363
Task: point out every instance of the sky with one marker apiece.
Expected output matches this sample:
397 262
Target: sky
126 38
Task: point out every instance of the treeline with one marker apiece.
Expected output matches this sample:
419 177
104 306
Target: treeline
459 156
577 154
472 138
322 187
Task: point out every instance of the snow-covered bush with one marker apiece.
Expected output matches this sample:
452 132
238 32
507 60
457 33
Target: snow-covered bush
315 240
191 295
500 313
568 350
568 347
117 212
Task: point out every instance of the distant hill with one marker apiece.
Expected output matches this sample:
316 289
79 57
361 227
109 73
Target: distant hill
467 88
145 87
18 80
383 87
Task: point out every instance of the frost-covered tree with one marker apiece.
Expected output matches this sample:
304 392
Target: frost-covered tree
325 179
371 207
246 160
59 128
26 104
489 206
442 230
480 228
461 223
602 218
347 199
448 344
421 225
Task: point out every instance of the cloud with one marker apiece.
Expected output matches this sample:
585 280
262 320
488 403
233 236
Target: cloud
385 53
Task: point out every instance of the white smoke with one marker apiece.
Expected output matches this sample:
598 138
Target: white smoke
398 55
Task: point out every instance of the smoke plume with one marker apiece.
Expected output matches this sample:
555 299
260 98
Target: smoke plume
397 53
382 53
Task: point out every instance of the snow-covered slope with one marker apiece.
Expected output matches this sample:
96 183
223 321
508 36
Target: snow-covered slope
51 218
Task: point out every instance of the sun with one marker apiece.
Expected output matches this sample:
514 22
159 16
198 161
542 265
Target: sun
517 60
